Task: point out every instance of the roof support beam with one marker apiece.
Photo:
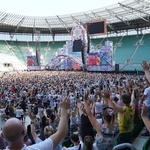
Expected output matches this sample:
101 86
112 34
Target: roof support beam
76 20
34 26
3 19
115 15
96 15
146 4
142 18
134 14
88 16
17 27
50 29
19 24
134 9
64 24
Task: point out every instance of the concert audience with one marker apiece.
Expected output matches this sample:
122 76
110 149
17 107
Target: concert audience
44 90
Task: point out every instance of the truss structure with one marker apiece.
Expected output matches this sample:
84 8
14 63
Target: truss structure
129 14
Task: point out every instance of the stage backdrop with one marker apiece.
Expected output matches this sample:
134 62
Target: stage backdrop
101 60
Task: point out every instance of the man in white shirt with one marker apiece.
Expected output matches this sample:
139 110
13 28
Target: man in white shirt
14 132
75 140
19 112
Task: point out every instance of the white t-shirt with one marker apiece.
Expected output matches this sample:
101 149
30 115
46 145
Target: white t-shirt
147 99
74 147
44 145
19 112
98 107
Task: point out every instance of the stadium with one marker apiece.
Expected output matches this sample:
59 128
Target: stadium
112 39
127 26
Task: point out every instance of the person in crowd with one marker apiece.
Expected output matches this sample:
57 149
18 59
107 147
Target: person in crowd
14 132
2 142
108 131
19 112
11 110
88 143
43 124
97 106
73 122
7 111
77 143
146 101
146 69
145 118
145 113
29 134
86 127
125 116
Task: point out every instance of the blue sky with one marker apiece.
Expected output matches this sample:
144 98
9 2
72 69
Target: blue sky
52 7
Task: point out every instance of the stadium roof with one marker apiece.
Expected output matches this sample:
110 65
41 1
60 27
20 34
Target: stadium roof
129 14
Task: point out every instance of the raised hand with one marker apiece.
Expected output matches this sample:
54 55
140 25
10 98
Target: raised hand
98 93
106 95
145 66
65 103
32 116
144 111
86 95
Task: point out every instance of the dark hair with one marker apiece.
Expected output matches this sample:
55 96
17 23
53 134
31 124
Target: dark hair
28 130
74 137
43 121
108 114
52 117
48 112
88 143
126 98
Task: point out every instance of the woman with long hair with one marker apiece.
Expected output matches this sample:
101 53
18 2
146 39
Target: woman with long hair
108 131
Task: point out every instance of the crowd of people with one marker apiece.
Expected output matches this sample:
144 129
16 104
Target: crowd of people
95 111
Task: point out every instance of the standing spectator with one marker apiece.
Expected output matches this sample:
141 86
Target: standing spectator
125 116
106 133
86 127
73 122
19 112
77 145
146 101
13 132
146 96
7 111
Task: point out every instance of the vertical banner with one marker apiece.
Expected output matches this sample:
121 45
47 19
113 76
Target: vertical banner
32 61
